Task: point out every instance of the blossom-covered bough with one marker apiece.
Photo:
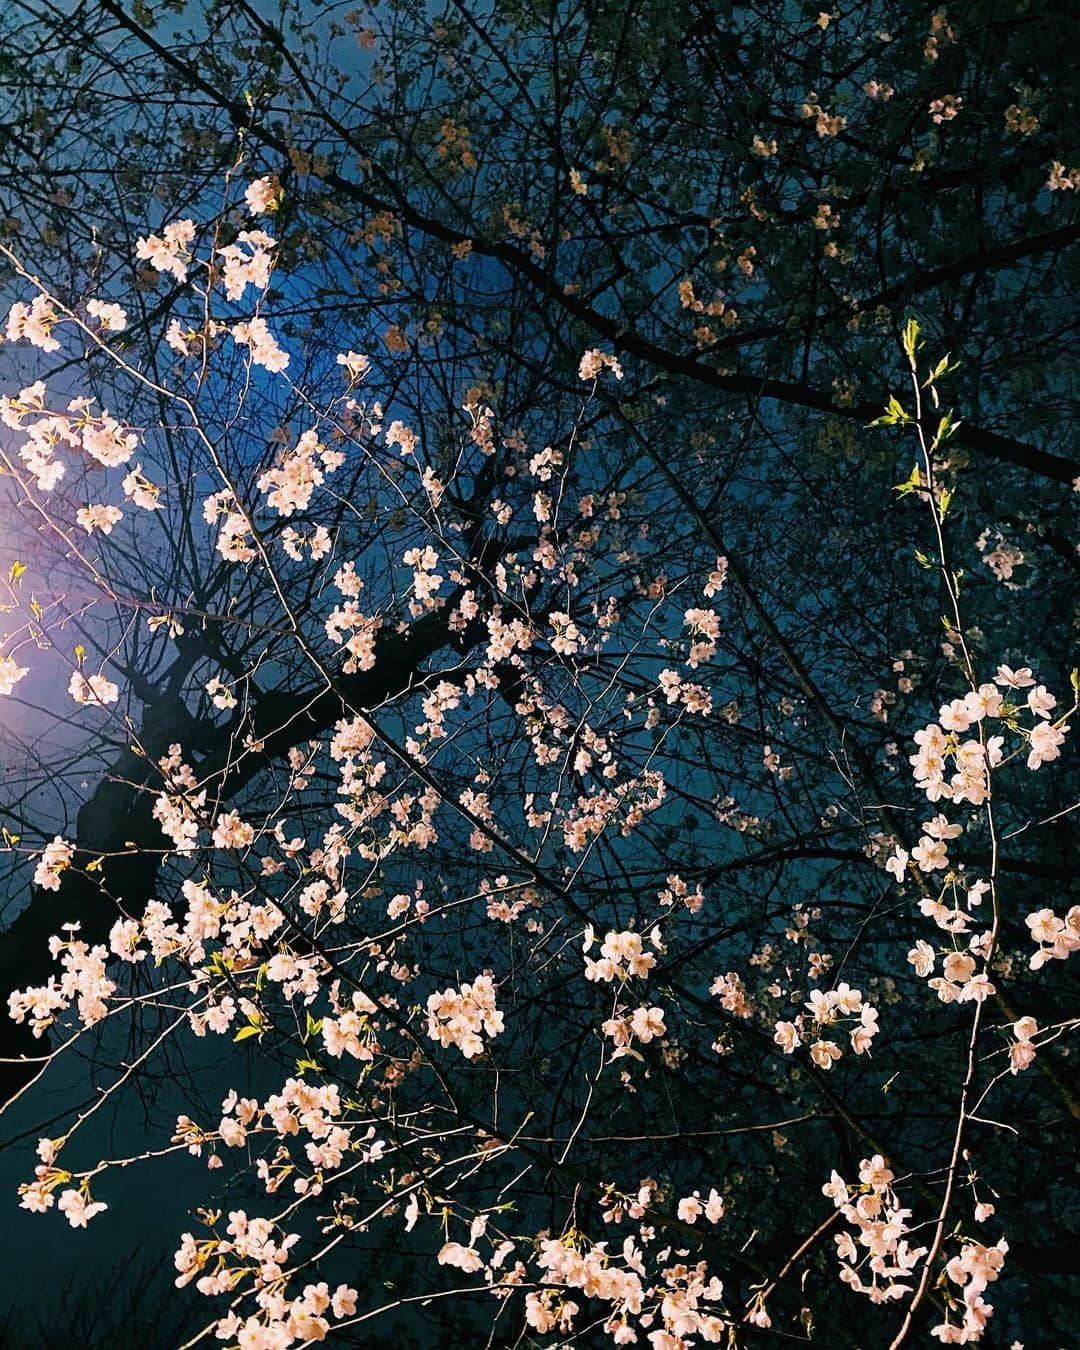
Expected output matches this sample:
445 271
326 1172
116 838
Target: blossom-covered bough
956 762
559 876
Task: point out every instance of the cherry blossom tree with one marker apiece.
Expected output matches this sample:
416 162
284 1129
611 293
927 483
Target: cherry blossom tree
538 641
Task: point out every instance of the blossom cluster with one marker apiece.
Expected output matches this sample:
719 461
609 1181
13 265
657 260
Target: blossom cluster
622 956
83 981
973 759
876 1257
77 427
463 1016
827 1008
254 1250
673 1305
643 1025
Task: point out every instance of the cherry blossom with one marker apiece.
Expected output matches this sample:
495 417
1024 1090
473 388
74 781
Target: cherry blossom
94 689
11 673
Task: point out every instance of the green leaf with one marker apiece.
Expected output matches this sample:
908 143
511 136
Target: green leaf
245 1032
947 429
893 414
942 368
911 341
